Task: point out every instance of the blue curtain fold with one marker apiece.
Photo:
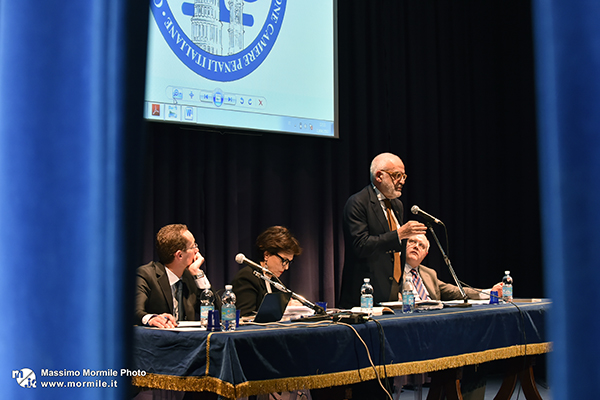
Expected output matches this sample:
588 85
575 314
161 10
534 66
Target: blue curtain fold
567 42
65 136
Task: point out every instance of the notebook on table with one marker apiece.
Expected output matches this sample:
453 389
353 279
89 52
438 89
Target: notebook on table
272 307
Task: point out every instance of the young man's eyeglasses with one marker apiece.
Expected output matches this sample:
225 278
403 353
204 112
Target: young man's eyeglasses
194 247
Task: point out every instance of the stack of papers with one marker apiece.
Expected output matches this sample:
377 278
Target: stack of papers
428 305
376 310
420 305
474 302
293 312
187 326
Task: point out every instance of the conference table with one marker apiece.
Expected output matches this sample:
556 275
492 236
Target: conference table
266 358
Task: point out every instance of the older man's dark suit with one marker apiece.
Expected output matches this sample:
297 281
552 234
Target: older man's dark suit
369 249
154 295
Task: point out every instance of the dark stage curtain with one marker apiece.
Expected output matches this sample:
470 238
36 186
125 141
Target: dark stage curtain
448 86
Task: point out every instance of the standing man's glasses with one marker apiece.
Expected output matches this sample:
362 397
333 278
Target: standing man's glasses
396 175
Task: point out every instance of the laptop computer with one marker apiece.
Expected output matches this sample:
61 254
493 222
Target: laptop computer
272 307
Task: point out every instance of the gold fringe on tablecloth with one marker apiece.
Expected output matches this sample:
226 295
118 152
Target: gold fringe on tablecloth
208 352
318 381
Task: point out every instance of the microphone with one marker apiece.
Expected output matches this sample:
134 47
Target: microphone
241 259
317 308
278 286
416 210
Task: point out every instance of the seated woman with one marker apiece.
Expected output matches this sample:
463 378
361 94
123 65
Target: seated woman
277 248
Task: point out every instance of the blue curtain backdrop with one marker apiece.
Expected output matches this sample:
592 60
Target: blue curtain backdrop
65 169
568 78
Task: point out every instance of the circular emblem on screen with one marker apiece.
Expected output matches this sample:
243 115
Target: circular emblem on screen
221 40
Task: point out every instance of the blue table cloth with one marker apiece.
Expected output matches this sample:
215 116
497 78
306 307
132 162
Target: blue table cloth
288 356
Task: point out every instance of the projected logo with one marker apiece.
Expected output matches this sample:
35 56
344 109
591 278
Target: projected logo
221 40
24 377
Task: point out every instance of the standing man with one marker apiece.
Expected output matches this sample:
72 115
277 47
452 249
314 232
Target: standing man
374 234
169 291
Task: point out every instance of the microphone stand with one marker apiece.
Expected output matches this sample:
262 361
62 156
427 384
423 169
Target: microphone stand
447 261
317 308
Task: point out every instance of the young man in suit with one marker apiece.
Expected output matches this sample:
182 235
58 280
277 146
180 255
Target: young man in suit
169 291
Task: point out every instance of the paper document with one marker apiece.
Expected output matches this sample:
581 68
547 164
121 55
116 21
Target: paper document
187 326
471 301
293 312
376 310
420 305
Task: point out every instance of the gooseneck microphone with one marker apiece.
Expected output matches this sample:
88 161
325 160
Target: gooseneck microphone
431 219
416 210
241 259
317 308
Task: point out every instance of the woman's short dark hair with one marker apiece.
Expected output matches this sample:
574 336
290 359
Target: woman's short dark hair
277 239
168 240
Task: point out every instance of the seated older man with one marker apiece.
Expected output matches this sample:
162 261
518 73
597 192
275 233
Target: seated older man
426 284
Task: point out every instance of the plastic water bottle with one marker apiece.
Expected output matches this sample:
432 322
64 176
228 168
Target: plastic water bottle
366 297
507 287
408 296
207 303
228 309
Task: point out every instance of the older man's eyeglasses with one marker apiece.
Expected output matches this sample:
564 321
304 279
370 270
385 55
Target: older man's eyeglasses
284 261
396 176
413 242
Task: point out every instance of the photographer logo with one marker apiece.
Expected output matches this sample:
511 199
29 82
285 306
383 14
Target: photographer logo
25 378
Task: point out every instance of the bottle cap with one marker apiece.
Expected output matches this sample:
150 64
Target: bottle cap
506 272
228 287
367 279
